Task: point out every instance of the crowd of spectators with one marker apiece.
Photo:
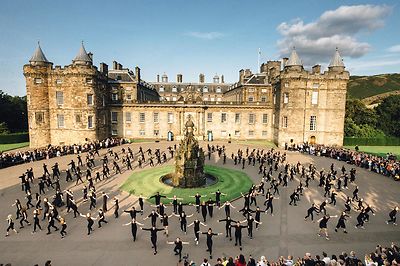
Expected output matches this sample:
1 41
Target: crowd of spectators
19 157
388 165
381 256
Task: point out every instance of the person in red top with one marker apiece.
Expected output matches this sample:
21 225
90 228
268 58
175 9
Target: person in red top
240 261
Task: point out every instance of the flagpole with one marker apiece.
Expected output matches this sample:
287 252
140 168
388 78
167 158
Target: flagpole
258 60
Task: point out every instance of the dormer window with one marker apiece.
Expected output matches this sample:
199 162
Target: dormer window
114 96
218 90
161 89
174 89
89 80
205 89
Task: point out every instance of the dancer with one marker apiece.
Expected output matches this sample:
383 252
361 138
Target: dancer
10 223
228 226
101 218
323 224
227 206
133 223
153 215
238 234
310 212
90 222
210 235
392 216
153 236
183 220
341 222
36 221
196 227
63 224
178 247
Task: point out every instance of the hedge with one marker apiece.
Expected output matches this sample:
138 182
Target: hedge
14 138
388 141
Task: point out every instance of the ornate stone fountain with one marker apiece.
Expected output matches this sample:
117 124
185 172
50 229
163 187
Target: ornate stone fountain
189 161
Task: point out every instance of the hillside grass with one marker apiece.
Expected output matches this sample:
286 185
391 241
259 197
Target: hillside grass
361 87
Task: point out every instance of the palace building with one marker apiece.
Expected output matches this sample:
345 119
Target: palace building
283 103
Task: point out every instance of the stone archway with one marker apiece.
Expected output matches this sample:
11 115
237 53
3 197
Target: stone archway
312 140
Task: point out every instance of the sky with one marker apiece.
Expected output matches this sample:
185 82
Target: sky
193 37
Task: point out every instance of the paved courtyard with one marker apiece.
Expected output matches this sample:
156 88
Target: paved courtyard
282 234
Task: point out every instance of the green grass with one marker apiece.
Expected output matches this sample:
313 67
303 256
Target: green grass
258 142
147 183
12 146
378 150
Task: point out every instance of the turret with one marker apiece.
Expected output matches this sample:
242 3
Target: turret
38 57
82 58
336 64
294 62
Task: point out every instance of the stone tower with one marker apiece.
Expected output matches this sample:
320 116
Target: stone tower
65 105
310 105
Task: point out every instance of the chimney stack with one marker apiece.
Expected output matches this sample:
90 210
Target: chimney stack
284 61
90 54
222 79
137 73
179 78
316 69
158 78
119 66
104 68
115 65
201 78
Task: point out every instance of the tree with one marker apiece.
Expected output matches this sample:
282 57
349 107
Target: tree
13 112
360 114
389 115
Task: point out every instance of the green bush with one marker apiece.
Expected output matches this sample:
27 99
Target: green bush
14 138
350 141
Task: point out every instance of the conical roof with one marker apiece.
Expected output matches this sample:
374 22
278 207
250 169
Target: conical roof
38 55
294 59
82 56
337 60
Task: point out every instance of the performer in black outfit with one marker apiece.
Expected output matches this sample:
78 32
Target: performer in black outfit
133 223
210 235
392 216
341 222
238 233
228 226
196 223
153 236
178 247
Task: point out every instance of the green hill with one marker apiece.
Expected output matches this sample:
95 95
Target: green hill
361 87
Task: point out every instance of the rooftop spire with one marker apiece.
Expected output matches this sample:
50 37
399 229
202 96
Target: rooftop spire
38 55
337 60
82 56
294 59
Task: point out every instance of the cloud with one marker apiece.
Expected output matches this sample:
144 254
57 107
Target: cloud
205 35
316 41
394 49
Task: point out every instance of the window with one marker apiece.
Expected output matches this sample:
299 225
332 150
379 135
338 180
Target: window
237 118
129 132
251 99
78 118
114 117
286 97
263 90
142 133
218 99
212 99
104 101
205 89
284 122
60 97
37 80
60 121
286 84
39 117
205 99
142 117
89 80
315 85
218 90
161 89
263 99
251 90
114 96
264 133
129 97
90 121
313 123
114 132
265 118
223 133
90 99
155 117
58 81
237 133
252 118
273 119
170 118
128 117
314 98
174 99
251 133
174 89
167 98
223 117
156 132
209 117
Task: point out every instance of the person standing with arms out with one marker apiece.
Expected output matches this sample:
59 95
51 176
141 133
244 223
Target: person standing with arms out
10 223
90 221
153 215
392 216
196 223
210 235
165 218
183 220
63 224
238 233
227 206
133 223
153 236
323 225
178 247
197 201
175 203
228 226
218 195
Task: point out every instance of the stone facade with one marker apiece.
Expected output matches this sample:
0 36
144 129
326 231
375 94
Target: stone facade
283 103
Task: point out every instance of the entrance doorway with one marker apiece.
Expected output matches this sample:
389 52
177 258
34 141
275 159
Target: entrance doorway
170 136
312 140
210 135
